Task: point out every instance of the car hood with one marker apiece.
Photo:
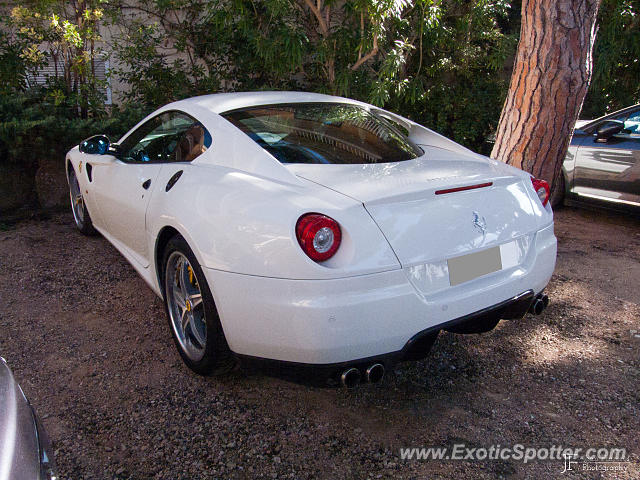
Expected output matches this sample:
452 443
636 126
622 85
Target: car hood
19 454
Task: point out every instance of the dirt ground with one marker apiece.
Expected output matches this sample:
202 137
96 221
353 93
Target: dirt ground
89 343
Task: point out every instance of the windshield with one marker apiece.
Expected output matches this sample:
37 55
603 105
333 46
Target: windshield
323 133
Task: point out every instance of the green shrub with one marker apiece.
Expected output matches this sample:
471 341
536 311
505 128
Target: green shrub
616 59
33 127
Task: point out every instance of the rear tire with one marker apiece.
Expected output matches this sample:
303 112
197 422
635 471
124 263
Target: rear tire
558 193
78 207
191 312
421 347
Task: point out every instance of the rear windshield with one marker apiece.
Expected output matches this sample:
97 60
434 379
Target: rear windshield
323 133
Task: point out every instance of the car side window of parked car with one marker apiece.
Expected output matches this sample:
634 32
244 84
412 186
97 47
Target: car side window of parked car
626 127
168 137
632 124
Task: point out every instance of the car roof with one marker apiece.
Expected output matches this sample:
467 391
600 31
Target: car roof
224 102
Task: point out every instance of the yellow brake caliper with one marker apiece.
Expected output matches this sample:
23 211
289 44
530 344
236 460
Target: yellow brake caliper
192 281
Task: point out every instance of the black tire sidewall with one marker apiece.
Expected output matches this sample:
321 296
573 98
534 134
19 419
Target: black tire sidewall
557 195
217 358
86 225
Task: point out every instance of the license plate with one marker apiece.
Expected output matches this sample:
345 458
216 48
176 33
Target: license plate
474 265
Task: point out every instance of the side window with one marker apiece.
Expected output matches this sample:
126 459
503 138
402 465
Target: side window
632 124
168 137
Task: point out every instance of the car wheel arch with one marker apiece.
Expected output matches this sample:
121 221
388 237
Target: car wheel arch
164 235
69 168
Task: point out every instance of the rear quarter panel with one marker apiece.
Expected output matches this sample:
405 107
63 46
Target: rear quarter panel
243 223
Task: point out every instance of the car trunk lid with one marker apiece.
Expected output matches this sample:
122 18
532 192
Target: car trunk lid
438 206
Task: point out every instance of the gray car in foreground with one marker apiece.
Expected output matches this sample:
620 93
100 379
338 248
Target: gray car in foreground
25 451
603 161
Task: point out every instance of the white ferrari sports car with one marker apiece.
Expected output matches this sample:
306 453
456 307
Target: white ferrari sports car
306 230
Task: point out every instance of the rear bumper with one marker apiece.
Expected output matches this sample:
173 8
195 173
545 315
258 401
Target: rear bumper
328 322
414 349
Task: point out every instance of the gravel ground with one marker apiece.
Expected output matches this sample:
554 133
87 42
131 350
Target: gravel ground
89 343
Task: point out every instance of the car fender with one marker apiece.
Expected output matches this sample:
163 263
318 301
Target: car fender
242 223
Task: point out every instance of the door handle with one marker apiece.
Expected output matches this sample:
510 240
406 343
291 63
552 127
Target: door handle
146 184
172 181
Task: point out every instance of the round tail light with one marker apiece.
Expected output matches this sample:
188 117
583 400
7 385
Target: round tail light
319 236
542 190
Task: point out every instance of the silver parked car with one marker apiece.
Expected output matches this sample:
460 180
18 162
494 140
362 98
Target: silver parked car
25 451
603 161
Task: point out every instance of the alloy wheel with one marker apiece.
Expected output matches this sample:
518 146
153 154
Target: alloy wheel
77 202
185 306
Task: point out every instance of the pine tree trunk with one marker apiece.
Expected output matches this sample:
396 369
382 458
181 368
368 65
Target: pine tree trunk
550 78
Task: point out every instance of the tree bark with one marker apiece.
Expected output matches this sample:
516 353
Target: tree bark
550 78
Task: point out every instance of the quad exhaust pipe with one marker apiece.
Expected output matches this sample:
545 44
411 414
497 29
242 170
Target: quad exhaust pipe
375 373
352 376
539 304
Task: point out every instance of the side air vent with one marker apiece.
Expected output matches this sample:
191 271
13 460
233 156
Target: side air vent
89 172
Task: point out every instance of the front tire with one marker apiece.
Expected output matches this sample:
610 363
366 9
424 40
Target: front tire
78 207
191 311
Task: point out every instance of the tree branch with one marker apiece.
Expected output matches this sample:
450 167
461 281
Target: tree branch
361 34
318 15
368 56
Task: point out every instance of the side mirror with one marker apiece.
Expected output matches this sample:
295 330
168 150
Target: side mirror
608 130
96 145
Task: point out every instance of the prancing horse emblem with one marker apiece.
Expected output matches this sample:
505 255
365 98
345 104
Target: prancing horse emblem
480 223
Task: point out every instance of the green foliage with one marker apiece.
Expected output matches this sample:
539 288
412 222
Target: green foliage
13 68
63 34
444 63
152 77
616 74
33 126
457 86
45 121
441 61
